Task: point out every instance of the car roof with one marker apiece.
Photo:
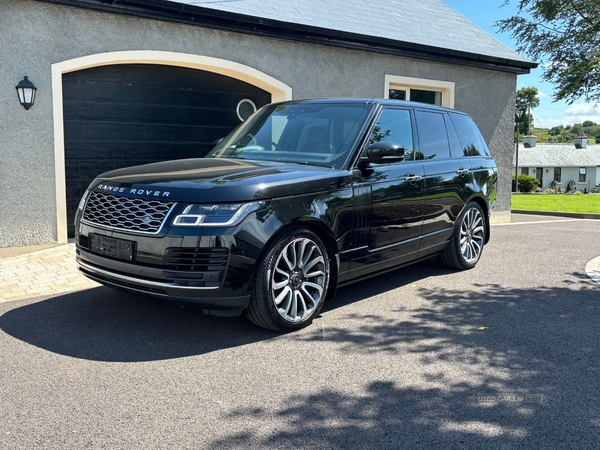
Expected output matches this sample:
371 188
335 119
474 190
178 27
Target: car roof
367 101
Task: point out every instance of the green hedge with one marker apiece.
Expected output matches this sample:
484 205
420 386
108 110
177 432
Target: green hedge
526 183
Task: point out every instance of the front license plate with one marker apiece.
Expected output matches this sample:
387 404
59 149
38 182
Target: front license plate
108 246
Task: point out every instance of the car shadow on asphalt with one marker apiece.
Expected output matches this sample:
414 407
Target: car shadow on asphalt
104 324
495 366
386 281
527 361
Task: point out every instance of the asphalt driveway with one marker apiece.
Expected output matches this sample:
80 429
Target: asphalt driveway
503 356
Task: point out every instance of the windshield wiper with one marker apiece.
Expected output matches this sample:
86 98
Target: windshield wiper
306 163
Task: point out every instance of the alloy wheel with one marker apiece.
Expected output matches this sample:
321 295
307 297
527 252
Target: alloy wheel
298 280
472 235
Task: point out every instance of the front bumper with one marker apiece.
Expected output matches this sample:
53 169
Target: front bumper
209 268
171 292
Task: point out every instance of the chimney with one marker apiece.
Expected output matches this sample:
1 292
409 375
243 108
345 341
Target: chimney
529 141
581 141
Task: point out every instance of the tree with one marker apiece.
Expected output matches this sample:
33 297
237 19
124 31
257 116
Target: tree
527 99
555 131
565 34
589 123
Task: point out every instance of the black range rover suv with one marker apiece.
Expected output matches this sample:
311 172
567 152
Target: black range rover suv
301 198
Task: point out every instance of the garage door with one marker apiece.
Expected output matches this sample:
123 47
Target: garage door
122 115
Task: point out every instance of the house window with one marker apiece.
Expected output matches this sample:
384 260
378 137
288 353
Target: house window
416 95
557 172
421 90
524 170
582 174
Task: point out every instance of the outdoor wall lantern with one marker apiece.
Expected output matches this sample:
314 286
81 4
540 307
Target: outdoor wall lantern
26 91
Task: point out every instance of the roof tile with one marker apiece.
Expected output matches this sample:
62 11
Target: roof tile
425 22
559 155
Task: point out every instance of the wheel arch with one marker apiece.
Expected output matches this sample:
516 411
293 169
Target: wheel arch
321 229
324 233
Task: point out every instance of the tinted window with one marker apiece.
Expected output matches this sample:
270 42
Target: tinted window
311 133
394 125
432 135
455 146
397 94
471 140
421 96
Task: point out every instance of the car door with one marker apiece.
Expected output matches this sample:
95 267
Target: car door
388 199
448 177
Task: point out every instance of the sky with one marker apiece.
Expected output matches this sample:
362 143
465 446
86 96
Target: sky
485 13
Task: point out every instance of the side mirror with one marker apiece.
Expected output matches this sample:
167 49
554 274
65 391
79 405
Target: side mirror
385 152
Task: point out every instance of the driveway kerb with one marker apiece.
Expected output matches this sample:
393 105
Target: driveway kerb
587 216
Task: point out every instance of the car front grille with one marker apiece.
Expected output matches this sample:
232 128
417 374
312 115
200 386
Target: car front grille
124 213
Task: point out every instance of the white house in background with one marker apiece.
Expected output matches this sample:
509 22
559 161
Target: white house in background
562 163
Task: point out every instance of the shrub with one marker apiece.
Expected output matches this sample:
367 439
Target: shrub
526 183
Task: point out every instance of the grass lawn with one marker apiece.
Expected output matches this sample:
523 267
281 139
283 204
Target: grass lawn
589 203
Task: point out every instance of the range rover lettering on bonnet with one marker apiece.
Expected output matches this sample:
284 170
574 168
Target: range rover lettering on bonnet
124 190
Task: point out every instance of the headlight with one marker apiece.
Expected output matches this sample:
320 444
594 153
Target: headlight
223 215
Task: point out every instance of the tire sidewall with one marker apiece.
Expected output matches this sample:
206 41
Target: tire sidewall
262 291
459 223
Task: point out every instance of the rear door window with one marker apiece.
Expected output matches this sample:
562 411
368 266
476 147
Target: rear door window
433 137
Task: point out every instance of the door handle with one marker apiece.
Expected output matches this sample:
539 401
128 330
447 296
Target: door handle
462 172
412 178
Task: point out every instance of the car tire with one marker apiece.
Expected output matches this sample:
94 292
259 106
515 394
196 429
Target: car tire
466 243
291 282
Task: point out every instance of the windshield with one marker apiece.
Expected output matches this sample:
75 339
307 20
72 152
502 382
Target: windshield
304 133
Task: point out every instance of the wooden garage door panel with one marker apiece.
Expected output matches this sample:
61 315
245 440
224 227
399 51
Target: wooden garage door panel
123 115
166 76
122 94
139 152
132 113
118 132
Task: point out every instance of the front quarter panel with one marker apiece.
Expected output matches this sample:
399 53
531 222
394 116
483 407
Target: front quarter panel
328 213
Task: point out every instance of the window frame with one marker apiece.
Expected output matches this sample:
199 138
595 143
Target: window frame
583 173
558 177
447 88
